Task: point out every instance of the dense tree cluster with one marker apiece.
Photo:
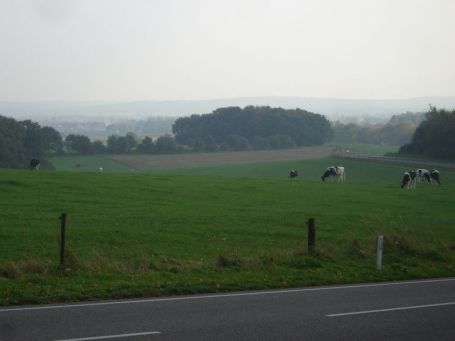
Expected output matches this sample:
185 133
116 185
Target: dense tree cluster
229 128
131 143
397 131
434 137
233 128
22 140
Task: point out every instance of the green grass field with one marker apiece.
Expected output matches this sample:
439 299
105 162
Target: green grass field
217 229
311 170
88 164
370 149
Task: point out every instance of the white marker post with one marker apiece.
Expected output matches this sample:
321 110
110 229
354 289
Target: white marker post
379 246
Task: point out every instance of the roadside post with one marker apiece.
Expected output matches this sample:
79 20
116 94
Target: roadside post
379 247
311 236
62 238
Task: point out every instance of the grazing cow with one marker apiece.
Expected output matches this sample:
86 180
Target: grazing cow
423 174
329 173
293 173
334 171
434 176
408 181
34 164
340 173
413 175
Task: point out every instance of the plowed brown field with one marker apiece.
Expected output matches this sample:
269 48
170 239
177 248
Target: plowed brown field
147 162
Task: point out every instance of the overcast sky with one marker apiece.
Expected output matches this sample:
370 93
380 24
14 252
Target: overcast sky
205 49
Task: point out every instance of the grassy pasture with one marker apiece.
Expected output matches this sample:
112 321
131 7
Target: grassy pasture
311 170
88 164
143 234
363 148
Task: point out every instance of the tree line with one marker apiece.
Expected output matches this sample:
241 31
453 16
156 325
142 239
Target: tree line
229 128
397 131
224 129
22 140
234 128
253 127
434 137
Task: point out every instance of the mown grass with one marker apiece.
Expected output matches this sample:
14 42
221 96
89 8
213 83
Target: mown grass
136 234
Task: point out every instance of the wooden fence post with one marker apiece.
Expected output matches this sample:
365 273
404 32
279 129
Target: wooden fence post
311 236
62 238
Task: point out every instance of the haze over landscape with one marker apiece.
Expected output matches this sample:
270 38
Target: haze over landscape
178 57
272 163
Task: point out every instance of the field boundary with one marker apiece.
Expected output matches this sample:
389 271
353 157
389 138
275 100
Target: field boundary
392 159
190 160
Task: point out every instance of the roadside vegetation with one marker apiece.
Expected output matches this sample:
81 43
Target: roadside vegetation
224 228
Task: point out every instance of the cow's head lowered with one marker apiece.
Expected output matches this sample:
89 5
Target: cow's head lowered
329 172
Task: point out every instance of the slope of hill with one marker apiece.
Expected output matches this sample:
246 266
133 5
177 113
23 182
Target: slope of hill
331 107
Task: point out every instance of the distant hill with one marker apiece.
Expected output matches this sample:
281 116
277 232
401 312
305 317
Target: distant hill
331 107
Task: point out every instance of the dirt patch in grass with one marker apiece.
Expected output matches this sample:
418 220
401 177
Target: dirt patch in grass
148 162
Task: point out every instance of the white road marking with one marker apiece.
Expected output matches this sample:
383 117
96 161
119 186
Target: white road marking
211 296
391 309
111 336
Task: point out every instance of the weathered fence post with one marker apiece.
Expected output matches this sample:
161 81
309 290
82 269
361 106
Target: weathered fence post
379 247
311 236
62 238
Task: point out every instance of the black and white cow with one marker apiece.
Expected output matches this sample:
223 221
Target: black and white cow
34 164
293 173
329 172
434 176
334 171
409 179
413 175
423 174
405 182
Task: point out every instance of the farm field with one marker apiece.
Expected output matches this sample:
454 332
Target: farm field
147 162
231 227
156 162
88 164
311 170
370 149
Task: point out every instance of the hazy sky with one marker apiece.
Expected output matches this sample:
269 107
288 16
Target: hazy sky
205 49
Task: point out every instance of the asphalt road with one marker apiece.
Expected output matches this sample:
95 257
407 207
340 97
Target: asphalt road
411 310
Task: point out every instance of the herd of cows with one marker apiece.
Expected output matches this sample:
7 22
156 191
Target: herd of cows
331 173
410 178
